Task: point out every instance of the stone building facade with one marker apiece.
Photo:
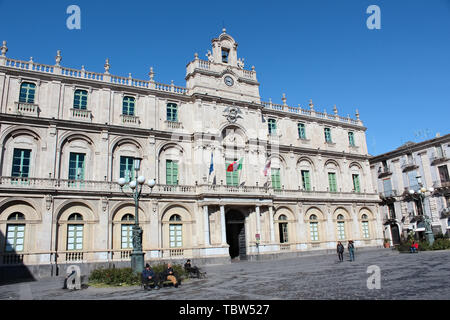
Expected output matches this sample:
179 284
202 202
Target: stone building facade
414 166
68 135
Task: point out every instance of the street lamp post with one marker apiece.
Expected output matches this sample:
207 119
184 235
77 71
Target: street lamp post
421 196
137 256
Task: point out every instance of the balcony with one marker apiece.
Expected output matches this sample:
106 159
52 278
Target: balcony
384 171
107 188
438 158
388 194
409 165
129 119
27 109
173 125
79 114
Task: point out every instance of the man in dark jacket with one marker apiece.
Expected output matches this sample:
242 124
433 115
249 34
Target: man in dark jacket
351 250
340 251
170 275
192 270
149 278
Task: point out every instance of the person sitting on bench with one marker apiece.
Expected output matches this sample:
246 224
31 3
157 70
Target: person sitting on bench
170 275
149 278
414 247
192 270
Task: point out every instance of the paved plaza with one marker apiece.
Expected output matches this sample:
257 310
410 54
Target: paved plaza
425 275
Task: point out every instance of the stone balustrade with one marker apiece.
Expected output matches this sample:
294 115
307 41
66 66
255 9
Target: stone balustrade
27 108
81 114
73 186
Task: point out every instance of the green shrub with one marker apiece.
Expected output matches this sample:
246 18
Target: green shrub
115 277
441 244
126 276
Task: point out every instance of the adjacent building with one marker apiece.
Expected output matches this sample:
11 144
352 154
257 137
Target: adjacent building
400 174
302 180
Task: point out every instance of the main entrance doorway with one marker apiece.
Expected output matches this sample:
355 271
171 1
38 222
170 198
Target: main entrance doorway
236 234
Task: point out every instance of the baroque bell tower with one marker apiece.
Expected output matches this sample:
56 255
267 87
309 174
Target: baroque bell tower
222 73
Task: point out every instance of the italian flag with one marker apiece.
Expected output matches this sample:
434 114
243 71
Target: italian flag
235 166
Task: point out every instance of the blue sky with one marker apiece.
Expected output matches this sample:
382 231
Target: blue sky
398 77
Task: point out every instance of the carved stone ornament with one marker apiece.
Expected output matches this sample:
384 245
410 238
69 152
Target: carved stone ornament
232 114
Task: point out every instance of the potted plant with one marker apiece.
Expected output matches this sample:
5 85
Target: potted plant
387 243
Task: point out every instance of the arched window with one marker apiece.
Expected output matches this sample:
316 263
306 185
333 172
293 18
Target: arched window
27 92
365 226
341 227
283 228
15 233
314 227
127 231
175 231
80 99
75 232
128 106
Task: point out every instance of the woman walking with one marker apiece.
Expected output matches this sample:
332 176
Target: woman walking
351 250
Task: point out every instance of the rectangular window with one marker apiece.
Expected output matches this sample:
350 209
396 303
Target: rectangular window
232 176
127 236
128 106
175 236
356 185
341 230
306 181
351 139
21 163
391 210
75 237
172 112
412 176
276 183
15 234
327 132
443 173
387 186
171 172
272 127
27 92
314 231
76 166
301 131
225 53
332 181
127 168
80 99
365 229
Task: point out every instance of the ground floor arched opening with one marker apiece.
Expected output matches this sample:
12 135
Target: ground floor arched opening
235 230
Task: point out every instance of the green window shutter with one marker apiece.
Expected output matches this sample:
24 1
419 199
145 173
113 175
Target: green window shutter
75 237
128 106
127 168
272 126
327 135
301 131
171 172
172 112
76 166
80 100
21 163
175 235
276 181
356 185
341 230
126 234
365 227
332 181
306 181
351 138
27 92
15 234
314 231
232 176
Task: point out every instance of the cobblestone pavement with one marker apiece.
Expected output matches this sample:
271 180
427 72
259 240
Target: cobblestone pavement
421 276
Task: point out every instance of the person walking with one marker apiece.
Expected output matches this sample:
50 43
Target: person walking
351 250
340 251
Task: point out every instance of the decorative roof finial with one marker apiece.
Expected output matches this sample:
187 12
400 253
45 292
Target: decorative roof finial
253 68
31 60
4 48
284 99
224 30
107 66
311 105
151 74
335 110
196 56
58 57
357 114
